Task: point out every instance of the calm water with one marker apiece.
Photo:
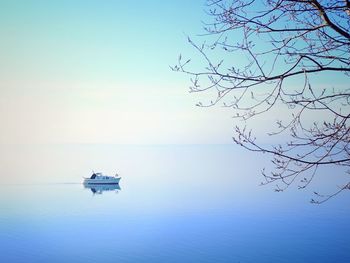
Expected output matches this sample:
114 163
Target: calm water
175 204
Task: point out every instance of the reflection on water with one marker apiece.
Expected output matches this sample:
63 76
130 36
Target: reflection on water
100 188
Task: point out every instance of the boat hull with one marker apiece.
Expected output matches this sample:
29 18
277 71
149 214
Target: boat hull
102 181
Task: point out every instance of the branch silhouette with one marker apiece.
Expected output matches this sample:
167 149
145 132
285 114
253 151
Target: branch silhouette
256 49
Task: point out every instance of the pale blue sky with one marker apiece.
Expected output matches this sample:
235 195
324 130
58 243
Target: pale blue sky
98 72
74 71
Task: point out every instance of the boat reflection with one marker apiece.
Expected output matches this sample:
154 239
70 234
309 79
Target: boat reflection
100 188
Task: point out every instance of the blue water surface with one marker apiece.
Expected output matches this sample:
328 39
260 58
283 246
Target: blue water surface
175 204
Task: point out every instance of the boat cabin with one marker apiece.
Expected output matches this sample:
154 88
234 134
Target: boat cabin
99 176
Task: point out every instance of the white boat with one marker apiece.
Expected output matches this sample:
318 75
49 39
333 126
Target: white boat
99 178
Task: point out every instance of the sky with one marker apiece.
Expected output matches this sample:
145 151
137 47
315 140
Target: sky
74 71
98 72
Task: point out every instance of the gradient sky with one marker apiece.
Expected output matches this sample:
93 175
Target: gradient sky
74 71
98 72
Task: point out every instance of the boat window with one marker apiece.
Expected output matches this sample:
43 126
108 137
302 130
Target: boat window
93 176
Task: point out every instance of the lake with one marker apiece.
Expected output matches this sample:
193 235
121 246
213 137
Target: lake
176 203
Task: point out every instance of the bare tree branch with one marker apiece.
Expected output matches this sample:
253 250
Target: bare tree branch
253 50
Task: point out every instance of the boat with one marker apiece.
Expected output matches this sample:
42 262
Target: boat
99 178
